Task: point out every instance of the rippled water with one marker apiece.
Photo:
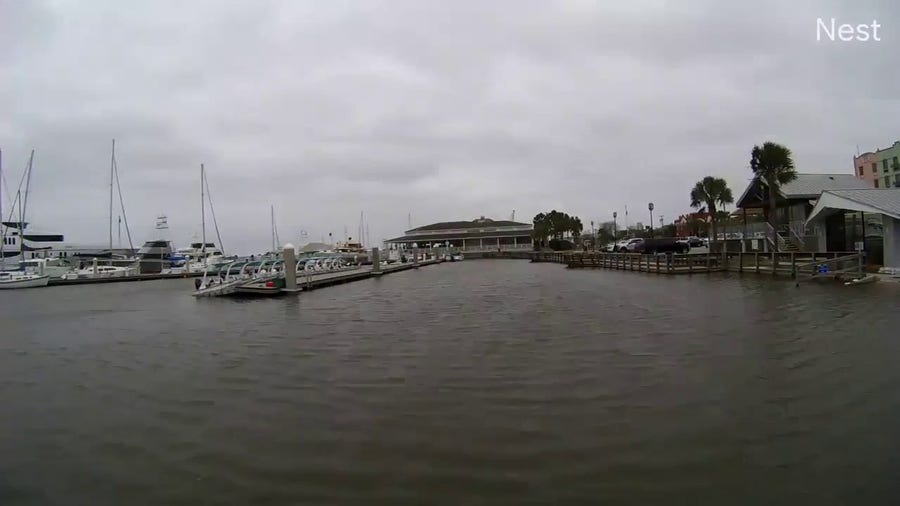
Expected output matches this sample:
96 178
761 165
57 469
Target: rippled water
481 382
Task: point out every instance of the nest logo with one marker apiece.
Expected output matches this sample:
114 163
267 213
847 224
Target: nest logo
845 32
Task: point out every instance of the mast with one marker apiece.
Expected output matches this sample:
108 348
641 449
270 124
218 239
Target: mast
273 227
112 167
212 211
2 229
23 202
202 215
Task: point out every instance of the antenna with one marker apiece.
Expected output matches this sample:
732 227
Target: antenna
409 221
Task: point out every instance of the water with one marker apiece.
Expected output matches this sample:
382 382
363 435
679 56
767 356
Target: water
481 382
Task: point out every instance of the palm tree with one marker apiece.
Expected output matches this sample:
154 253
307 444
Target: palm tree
773 165
712 193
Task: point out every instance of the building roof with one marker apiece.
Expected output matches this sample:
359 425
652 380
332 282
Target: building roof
461 235
478 223
806 186
811 185
871 200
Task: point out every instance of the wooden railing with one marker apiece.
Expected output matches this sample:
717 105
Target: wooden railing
805 265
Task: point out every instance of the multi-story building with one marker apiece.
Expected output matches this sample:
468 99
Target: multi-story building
880 168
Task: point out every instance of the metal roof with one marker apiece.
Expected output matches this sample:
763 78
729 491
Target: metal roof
811 185
806 186
872 200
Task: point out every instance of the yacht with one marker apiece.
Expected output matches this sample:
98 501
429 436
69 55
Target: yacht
352 251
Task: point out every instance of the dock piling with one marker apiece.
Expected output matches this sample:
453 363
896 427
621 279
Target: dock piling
376 261
290 267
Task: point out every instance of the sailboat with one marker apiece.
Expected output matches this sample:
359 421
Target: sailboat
202 254
20 279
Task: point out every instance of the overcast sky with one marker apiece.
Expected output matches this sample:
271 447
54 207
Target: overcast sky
444 110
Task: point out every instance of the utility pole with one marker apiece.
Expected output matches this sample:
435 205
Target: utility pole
650 207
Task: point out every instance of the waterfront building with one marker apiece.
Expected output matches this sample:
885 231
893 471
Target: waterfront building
794 203
850 220
880 168
482 234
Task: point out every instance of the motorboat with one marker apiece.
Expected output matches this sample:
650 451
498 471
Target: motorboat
102 271
18 279
54 267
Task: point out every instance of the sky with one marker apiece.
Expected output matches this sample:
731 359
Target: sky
422 111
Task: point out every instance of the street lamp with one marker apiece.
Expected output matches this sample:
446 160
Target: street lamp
593 237
615 227
650 207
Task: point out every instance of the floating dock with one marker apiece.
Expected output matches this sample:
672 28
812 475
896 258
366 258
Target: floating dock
122 279
323 279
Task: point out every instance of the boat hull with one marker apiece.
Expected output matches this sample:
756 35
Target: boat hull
24 282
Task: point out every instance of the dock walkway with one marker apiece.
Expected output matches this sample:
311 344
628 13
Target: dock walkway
798 265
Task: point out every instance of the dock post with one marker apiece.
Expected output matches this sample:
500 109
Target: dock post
416 258
741 261
376 261
93 266
290 267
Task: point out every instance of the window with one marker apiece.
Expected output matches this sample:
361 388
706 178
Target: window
861 171
876 183
884 164
874 168
896 165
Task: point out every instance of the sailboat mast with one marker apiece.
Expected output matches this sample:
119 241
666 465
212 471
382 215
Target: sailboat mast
202 215
112 166
24 205
2 229
272 208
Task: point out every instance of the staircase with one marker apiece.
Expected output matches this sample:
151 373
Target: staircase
793 243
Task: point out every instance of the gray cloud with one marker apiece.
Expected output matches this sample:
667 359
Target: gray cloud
441 110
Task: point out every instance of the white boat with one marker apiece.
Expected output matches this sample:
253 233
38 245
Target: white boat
54 267
456 257
10 280
102 271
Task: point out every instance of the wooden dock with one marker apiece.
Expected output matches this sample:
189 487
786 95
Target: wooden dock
312 281
798 265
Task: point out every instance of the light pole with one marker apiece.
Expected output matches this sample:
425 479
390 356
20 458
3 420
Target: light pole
593 237
615 227
650 207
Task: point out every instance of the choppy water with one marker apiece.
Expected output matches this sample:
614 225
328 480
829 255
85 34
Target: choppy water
482 382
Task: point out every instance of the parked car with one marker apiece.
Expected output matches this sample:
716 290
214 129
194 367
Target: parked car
695 241
628 245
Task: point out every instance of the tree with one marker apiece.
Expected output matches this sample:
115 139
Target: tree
772 165
713 193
